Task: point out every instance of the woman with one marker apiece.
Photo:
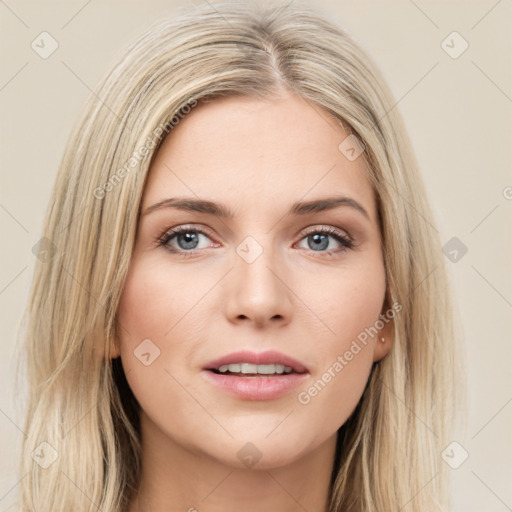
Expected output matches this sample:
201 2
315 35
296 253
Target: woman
245 305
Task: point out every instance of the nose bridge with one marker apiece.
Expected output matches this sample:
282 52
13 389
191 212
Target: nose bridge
257 291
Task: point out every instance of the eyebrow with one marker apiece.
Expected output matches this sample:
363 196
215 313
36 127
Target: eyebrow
219 210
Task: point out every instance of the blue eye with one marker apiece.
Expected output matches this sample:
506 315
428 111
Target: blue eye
185 237
318 239
185 240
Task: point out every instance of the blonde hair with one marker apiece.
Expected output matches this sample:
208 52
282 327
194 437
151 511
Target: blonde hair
389 451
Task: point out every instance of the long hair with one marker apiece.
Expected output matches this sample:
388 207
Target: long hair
82 450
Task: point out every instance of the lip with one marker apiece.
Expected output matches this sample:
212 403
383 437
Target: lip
256 387
267 357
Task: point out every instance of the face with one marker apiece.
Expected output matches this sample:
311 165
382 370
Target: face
291 285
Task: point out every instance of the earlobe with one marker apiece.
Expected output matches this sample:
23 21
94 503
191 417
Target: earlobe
114 350
384 342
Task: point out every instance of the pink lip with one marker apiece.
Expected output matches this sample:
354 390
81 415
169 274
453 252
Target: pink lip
267 357
256 387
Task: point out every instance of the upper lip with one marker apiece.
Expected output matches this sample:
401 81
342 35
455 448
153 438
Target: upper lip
267 357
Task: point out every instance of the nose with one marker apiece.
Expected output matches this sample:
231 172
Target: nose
257 293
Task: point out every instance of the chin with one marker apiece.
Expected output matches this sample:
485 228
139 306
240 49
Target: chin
260 451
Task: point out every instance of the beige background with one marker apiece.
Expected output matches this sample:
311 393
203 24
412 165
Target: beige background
459 115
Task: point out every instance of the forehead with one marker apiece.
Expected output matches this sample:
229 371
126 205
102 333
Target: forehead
254 153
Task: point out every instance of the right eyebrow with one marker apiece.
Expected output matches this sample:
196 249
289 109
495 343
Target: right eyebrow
192 204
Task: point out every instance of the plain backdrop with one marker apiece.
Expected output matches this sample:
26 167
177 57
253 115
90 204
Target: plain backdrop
458 112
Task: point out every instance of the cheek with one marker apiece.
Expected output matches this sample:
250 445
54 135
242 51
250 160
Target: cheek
147 310
347 301
151 302
350 307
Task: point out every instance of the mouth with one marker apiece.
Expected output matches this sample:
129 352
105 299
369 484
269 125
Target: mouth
246 363
253 370
256 376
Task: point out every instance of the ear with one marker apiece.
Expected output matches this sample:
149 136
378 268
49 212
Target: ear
101 346
113 343
114 351
384 339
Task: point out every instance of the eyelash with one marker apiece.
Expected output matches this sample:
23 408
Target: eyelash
167 236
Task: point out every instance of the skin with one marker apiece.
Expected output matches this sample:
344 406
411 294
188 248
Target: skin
257 158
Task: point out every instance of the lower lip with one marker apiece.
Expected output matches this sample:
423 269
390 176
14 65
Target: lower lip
255 388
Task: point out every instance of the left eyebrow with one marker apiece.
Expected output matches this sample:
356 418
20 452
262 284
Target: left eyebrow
328 203
219 210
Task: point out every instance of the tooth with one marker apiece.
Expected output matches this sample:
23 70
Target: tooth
249 368
246 368
267 369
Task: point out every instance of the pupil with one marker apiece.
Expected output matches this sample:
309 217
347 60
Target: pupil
318 242
190 240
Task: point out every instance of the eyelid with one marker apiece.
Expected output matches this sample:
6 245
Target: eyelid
201 228
169 232
342 236
327 229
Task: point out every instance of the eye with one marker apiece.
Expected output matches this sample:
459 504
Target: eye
186 240
318 240
183 239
